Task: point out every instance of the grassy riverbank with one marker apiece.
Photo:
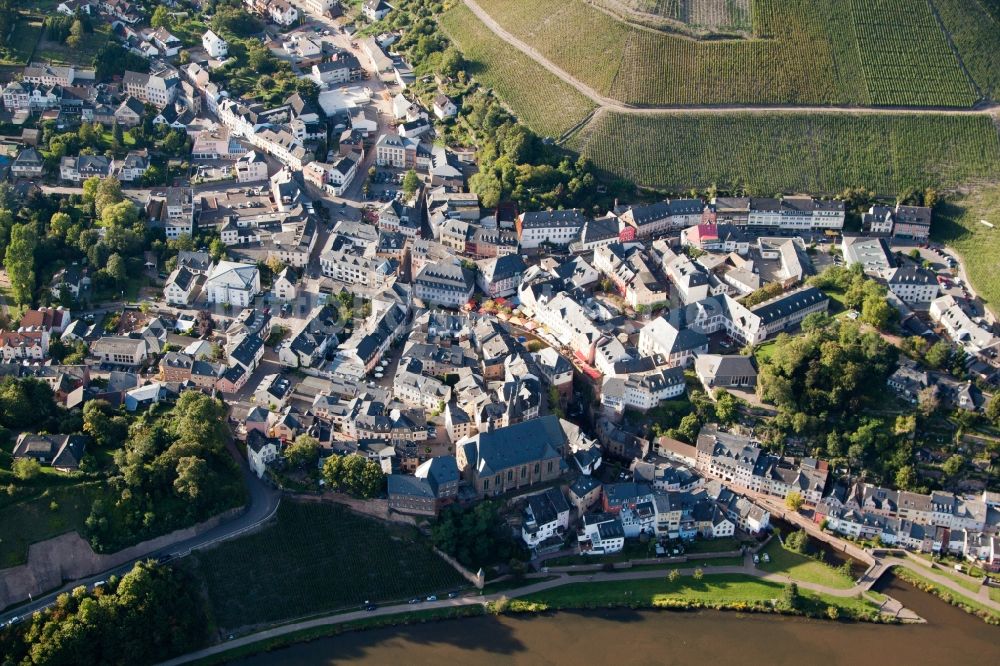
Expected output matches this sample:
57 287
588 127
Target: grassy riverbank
722 592
966 603
375 622
803 568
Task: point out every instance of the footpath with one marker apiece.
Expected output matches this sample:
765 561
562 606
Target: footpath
746 569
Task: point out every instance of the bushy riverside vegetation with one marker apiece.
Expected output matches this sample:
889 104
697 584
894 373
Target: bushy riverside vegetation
152 613
890 52
548 105
787 152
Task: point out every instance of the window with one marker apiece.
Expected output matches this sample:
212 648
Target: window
510 475
537 466
486 485
524 472
549 466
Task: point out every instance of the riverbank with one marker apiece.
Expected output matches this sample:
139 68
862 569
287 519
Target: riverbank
729 592
329 630
964 602
733 588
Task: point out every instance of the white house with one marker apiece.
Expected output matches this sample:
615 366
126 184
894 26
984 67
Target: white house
914 284
603 534
261 450
214 45
233 283
545 516
182 287
375 10
444 107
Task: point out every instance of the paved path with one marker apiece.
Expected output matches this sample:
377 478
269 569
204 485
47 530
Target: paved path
747 569
605 103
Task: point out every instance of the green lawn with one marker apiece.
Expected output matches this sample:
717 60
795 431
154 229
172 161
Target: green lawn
31 520
22 41
728 590
947 572
958 224
915 578
318 558
802 568
995 593
764 352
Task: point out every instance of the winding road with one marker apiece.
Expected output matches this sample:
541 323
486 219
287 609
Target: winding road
605 103
263 504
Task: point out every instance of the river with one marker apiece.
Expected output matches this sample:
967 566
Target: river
623 637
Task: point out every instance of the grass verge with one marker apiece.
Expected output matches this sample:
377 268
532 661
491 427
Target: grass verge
721 592
967 604
53 511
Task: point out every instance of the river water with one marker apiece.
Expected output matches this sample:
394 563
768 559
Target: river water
622 637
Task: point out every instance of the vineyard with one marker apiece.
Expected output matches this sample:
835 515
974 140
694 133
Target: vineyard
976 34
317 558
853 52
787 152
545 103
710 15
906 57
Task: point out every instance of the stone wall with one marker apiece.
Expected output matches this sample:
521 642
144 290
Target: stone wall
69 557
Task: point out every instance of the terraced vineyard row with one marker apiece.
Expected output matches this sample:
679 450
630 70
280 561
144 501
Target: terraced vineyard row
709 14
770 153
804 52
976 34
906 57
545 103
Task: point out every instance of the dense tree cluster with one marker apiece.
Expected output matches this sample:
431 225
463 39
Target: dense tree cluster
354 475
173 470
152 613
829 386
477 537
861 293
28 403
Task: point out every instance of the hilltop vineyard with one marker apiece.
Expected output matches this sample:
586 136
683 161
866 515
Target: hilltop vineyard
787 152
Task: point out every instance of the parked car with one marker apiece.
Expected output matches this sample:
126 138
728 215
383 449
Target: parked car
433 597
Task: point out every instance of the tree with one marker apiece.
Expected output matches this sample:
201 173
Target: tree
411 181
937 356
75 34
797 541
790 597
354 474
116 269
20 262
26 468
727 406
698 574
906 478
794 500
105 429
160 18
303 452
832 612
876 312
928 400
953 465
674 575
992 411
193 478
451 62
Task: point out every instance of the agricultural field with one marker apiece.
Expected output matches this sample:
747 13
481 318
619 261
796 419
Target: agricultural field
906 57
816 52
793 152
544 102
958 223
976 35
318 558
